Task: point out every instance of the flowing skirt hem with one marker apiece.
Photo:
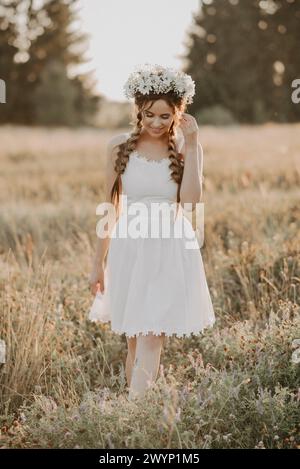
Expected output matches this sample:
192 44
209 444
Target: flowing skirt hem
168 333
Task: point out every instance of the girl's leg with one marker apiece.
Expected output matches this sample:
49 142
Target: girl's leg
131 342
146 364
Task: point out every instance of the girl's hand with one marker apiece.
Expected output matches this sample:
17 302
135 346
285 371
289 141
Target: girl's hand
189 126
96 279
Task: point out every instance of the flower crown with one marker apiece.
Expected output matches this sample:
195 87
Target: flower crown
157 79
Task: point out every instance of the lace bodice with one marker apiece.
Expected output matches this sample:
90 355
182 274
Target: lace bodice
146 178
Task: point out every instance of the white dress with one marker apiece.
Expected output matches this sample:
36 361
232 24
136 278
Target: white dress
153 284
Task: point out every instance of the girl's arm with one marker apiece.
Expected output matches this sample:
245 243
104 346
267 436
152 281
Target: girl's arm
191 185
102 243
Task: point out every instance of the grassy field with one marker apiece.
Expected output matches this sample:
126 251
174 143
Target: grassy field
63 383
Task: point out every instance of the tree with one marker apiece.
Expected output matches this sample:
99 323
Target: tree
238 51
8 50
54 97
50 48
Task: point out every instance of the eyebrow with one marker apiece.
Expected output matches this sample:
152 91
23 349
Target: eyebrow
163 114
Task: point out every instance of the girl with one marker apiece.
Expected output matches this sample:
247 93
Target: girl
153 287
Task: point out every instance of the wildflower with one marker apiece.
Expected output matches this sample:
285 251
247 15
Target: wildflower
260 445
177 415
2 351
295 343
296 357
246 381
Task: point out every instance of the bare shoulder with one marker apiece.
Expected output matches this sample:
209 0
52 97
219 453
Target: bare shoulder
111 155
114 142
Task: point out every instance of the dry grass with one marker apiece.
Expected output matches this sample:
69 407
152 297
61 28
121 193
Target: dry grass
63 382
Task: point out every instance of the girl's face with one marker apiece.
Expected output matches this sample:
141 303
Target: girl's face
157 118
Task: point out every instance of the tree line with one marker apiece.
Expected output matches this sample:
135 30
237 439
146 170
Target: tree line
40 49
244 56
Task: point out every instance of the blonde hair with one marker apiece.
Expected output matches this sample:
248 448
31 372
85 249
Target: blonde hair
178 104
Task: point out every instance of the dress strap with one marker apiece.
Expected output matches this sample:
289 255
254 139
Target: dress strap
179 146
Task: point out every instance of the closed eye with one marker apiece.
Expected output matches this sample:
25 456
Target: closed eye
165 116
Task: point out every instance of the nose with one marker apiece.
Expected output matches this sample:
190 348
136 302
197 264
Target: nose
156 124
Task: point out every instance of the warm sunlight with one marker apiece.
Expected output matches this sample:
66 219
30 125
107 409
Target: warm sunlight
123 34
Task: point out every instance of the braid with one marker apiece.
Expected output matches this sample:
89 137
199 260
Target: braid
122 159
177 163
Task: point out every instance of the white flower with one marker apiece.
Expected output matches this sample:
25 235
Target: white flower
260 445
296 343
145 75
169 77
157 79
144 88
180 84
2 351
296 356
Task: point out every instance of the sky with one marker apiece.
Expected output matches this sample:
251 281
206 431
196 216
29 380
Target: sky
126 33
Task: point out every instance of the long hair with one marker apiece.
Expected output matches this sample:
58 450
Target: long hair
175 157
